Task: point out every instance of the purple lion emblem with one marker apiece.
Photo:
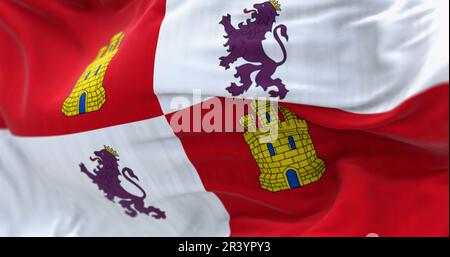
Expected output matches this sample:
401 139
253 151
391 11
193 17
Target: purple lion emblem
106 176
246 42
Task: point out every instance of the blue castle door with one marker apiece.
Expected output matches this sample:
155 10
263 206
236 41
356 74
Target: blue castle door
292 179
82 104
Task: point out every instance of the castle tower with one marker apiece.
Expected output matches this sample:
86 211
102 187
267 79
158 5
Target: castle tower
287 161
88 94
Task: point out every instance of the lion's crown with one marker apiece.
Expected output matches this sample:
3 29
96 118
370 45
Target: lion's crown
111 151
275 4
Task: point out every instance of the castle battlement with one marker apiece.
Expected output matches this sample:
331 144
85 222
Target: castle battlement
283 149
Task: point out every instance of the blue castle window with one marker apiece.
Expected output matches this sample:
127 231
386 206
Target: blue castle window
96 72
268 116
271 150
292 142
87 75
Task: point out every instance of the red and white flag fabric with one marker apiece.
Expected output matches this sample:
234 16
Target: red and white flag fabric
224 118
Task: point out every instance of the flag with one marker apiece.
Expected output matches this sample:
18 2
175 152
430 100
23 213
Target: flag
224 118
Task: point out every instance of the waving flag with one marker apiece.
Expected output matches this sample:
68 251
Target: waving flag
224 118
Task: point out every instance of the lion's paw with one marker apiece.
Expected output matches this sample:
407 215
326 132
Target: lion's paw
159 215
82 167
235 90
224 63
281 94
274 93
225 19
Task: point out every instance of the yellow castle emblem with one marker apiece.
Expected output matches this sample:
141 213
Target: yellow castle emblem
287 160
88 94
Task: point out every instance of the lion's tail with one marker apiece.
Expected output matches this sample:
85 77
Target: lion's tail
127 171
277 38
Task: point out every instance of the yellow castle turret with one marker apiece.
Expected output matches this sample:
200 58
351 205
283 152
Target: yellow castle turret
283 149
88 94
